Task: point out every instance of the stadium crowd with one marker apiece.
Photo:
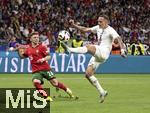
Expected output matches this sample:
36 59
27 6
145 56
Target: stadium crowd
18 18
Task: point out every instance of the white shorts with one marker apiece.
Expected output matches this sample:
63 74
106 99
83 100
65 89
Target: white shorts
101 55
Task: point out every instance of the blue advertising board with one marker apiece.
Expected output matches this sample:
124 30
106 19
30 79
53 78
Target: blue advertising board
76 63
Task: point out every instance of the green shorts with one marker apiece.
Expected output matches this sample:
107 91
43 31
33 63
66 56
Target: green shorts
43 74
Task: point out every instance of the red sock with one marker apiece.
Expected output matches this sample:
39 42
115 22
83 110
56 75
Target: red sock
62 86
40 89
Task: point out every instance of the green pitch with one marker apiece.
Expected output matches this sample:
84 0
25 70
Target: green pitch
127 93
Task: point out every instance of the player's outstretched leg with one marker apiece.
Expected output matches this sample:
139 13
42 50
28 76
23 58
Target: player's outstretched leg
60 85
74 50
38 86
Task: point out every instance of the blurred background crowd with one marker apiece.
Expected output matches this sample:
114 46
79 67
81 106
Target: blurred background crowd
131 18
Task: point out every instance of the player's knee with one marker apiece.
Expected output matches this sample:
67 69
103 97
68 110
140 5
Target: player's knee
36 81
54 82
88 46
87 74
91 49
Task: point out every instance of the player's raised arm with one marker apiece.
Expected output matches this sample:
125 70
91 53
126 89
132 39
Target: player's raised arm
81 28
21 52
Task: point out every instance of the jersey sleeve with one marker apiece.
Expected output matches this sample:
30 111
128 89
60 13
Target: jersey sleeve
94 29
114 34
45 50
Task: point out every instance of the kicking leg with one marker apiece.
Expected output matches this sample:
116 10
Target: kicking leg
60 85
79 50
89 48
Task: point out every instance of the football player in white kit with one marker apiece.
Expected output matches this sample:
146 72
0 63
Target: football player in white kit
100 51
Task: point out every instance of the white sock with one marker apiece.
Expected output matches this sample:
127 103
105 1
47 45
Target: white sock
95 82
79 50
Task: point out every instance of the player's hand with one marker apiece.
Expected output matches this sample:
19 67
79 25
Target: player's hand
123 53
71 22
41 60
19 46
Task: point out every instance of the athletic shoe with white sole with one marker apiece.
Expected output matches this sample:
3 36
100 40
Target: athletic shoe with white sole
103 96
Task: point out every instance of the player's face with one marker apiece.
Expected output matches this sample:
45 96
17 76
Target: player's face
35 39
102 22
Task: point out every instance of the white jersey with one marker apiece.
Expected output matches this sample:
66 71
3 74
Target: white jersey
104 46
105 36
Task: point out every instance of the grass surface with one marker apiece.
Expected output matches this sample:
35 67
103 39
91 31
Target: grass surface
128 93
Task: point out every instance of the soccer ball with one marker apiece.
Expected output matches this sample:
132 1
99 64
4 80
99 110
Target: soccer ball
64 35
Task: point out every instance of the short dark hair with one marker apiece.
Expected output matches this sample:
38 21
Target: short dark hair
33 33
105 17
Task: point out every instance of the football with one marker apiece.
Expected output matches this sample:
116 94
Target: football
64 35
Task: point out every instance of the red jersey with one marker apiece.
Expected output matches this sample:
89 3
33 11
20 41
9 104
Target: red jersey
36 53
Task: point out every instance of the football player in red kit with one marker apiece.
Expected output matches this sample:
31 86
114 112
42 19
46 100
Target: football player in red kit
38 54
